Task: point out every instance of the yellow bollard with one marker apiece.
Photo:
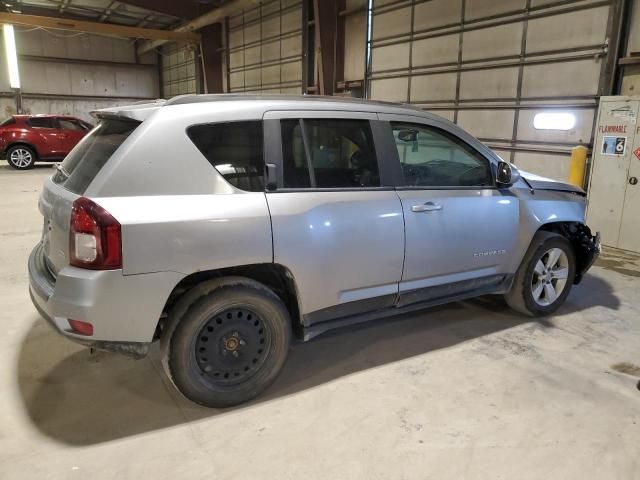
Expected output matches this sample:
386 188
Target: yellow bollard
577 166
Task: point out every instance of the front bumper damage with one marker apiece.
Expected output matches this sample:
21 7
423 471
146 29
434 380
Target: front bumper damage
587 247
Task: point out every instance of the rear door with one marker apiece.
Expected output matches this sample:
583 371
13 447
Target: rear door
336 218
460 229
71 132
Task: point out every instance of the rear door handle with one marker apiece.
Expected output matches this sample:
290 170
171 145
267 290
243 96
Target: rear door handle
427 207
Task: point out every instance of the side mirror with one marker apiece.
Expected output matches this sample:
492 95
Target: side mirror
507 174
408 135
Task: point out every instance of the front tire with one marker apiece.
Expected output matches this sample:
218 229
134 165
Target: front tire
546 274
229 344
21 157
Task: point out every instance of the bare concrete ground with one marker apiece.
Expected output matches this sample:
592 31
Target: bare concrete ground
470 390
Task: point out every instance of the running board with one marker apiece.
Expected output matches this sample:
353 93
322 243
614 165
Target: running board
320 328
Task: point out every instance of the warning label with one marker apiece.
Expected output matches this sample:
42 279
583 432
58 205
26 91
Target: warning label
636 152
614 145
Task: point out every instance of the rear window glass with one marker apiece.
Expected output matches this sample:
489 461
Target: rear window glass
44 122
235 150
88 157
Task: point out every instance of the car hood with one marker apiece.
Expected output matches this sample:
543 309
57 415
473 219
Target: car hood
543 183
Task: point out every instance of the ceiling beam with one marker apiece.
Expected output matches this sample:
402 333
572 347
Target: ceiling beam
63 5
185 10
107 11
99 28
216 15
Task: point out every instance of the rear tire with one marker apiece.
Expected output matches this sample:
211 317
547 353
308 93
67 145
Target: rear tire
229 342
21 157
545 276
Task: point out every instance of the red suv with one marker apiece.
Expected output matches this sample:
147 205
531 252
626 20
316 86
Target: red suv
25 139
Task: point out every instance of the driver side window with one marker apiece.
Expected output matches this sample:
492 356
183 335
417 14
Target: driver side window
433 158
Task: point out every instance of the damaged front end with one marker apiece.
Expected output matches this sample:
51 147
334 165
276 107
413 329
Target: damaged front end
585 245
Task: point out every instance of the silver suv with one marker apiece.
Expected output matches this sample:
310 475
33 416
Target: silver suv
223 226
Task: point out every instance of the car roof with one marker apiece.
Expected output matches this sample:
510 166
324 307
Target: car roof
43 115
142 110
322 99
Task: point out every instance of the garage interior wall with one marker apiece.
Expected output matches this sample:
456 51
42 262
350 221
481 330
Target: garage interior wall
631 77
492 66
73 74
178 69
265 48
355 34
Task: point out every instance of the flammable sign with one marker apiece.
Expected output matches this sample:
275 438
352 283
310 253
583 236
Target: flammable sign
636 152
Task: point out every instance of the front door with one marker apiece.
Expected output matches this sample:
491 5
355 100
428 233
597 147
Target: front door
460 229
49 142
337 221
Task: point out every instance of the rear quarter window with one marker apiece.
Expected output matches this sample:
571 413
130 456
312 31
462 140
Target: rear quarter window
88 157
235 150
42 122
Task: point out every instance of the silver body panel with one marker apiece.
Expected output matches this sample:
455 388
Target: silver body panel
340 246
179 216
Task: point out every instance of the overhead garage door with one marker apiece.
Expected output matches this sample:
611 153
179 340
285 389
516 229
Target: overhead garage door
265 48
491 66
178 70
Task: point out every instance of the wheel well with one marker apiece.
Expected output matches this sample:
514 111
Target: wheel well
582 241
274 276
24 144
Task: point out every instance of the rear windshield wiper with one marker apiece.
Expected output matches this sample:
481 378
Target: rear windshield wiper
61 170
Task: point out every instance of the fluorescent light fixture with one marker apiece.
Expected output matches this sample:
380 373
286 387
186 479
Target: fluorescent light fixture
554 121
12 56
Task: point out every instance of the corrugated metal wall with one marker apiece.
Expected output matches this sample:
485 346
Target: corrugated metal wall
265 48
178 70
492 66
75 74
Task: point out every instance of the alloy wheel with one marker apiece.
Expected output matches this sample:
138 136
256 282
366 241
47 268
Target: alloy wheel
21 157
550 276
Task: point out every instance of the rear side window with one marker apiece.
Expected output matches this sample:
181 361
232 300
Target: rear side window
235 150
8 121
328 154
44 122
67 124
89 156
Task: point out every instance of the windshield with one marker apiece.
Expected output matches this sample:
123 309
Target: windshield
84 162
7 121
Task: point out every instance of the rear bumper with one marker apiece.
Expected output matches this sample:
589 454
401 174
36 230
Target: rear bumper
123 309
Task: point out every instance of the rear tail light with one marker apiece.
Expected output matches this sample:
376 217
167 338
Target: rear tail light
95 237
81 328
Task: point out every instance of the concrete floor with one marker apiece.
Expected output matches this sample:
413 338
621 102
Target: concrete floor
469 390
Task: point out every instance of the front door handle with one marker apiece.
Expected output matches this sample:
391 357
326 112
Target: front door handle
427 207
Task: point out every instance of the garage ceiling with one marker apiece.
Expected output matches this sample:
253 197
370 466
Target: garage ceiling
157 14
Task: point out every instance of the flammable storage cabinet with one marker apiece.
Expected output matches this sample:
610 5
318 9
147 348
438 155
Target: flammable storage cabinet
614 189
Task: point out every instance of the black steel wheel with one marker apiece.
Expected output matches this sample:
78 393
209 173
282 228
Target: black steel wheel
232 346
227 341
